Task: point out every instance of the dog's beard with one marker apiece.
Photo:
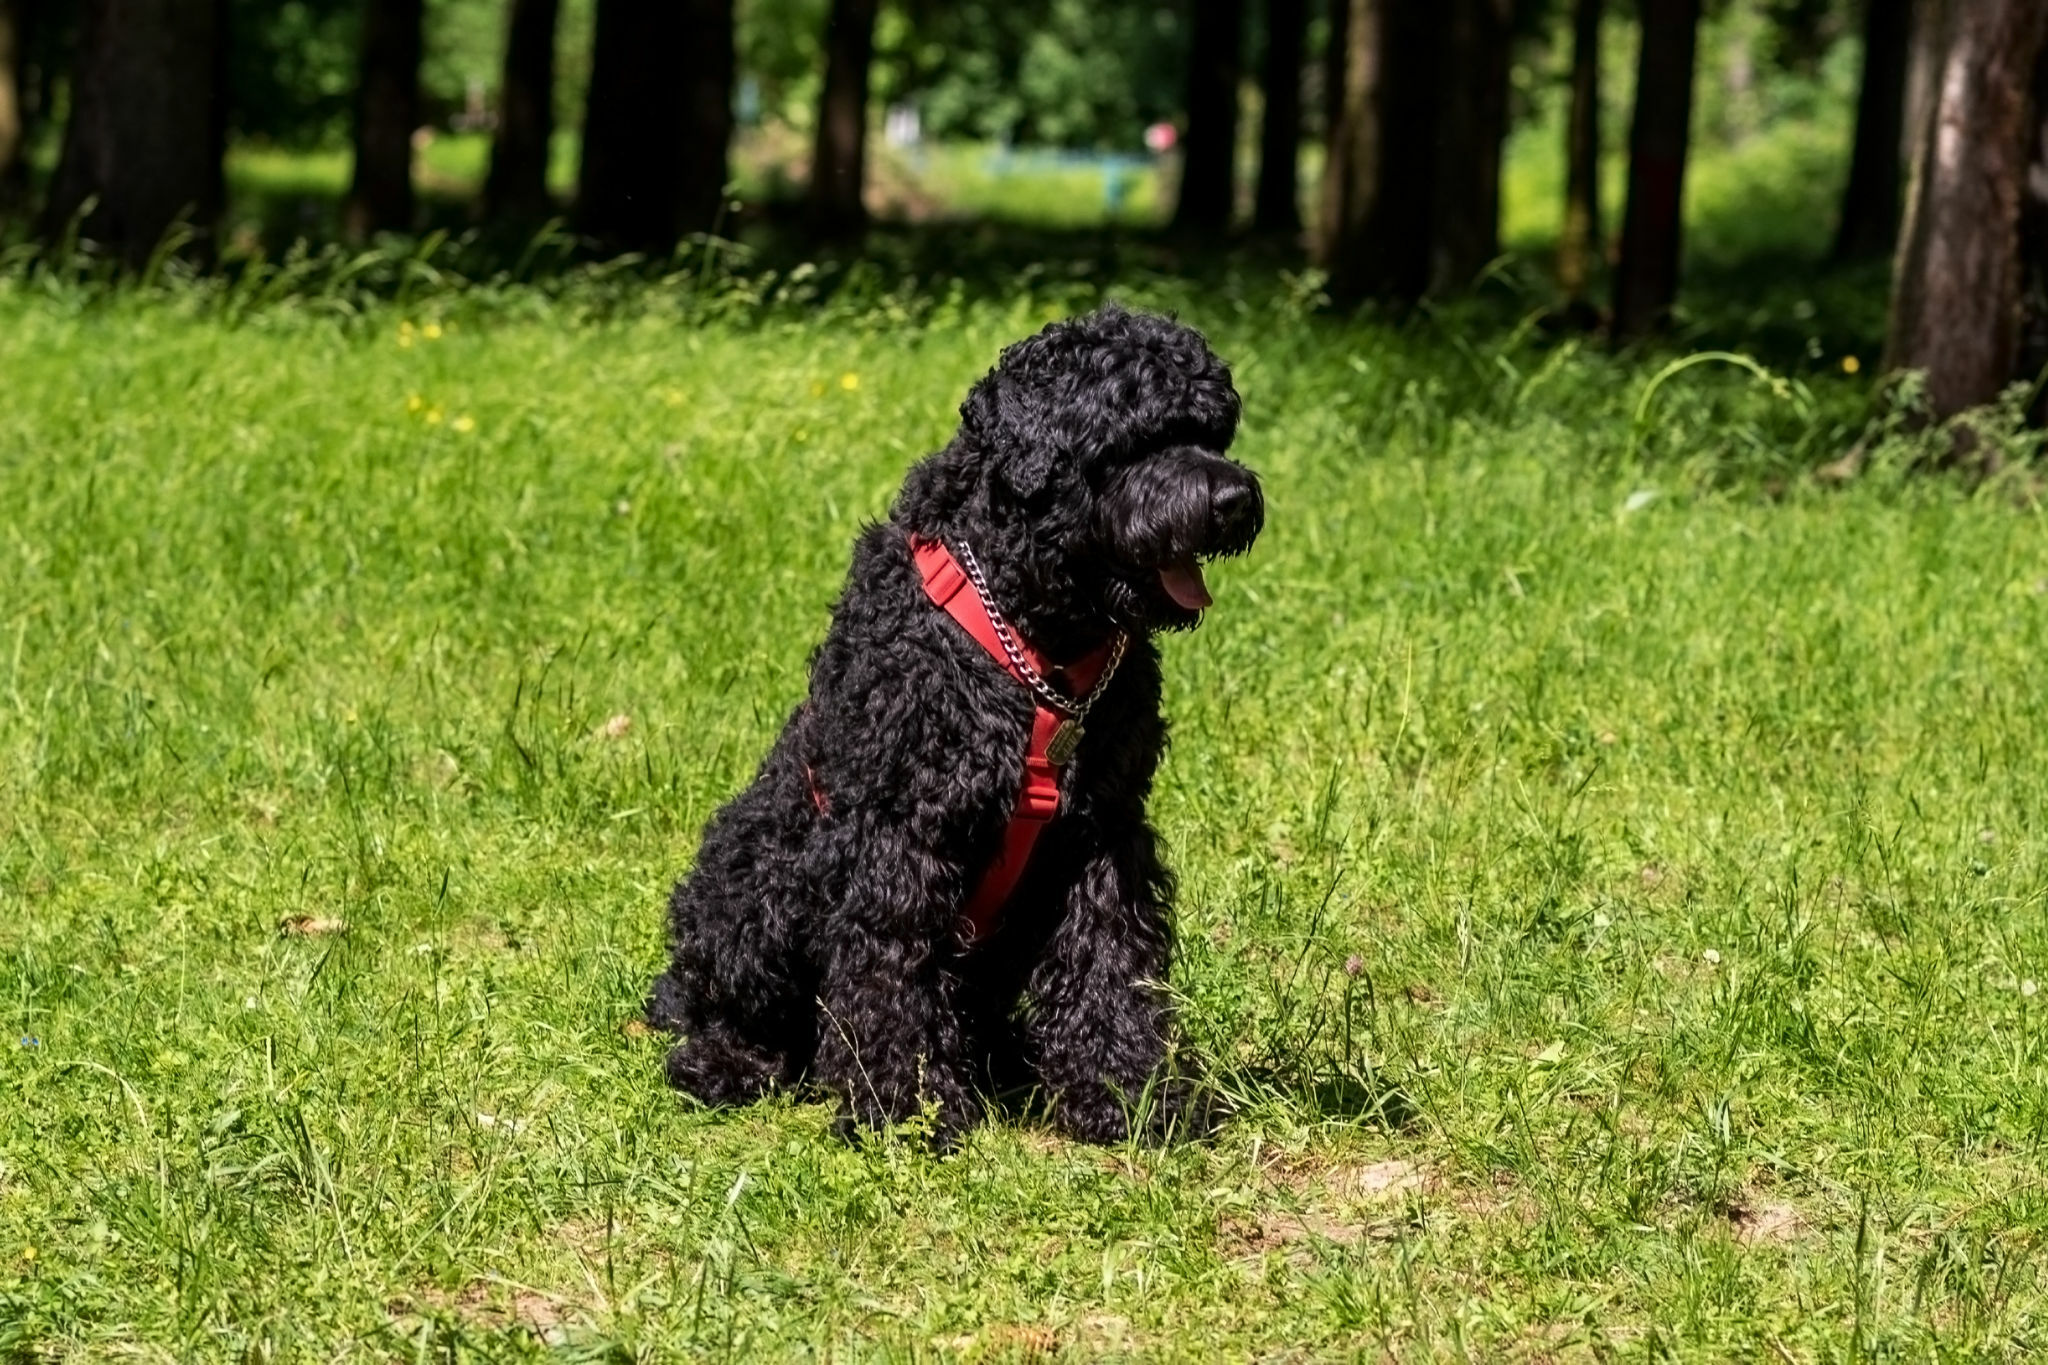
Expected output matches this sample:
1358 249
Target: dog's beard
1160 520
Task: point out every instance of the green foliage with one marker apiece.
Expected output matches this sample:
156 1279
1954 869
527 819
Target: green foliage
291 70
292 65
1061 73
780 45
1611 861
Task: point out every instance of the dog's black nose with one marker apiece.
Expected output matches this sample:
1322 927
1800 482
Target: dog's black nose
1237 512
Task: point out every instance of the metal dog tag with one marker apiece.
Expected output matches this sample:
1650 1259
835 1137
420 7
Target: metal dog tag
1065 740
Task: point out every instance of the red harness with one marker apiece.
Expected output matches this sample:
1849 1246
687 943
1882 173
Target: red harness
950 589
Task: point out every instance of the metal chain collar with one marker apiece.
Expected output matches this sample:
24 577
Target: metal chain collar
1058 700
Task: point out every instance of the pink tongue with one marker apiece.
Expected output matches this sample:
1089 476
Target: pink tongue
1183 583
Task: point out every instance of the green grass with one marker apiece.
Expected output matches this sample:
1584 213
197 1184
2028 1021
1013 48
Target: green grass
1684 819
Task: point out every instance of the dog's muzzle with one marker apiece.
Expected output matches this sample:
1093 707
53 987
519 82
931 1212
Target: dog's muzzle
1162 518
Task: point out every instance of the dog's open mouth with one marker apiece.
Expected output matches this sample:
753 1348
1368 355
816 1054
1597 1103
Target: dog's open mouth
1182 580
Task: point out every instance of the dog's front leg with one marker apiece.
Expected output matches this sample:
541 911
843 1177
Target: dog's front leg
1099 1013
889 1029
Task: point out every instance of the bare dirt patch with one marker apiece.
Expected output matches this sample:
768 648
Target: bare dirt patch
1337 1202
1755 1221
1005 1341
312 926
491 1307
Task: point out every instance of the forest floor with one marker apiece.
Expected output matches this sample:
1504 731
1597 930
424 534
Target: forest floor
1612 856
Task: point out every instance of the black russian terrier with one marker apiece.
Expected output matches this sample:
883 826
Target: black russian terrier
941 882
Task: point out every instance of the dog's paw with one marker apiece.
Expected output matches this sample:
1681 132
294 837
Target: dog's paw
944 1129
720 1072
1174 1109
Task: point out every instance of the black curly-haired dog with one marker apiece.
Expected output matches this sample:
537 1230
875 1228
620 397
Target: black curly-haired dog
832 928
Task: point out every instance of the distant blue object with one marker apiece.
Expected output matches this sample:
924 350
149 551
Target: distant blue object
27 1041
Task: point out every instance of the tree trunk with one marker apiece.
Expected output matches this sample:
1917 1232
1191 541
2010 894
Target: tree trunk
1652 229
1351 136
839 162
380 197
147 121
658 125
1380 242
1870 203
1334 67
1579 245
1472 125
1209 153
517 187
2034 249
1925 25
710 69
1956 286
13 117
1278 207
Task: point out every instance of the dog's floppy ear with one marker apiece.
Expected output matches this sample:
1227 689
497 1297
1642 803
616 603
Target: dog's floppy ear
1010 427
1027 464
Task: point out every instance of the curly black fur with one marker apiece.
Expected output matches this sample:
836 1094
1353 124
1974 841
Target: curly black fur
816 935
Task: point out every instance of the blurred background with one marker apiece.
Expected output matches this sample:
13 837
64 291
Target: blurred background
1626 165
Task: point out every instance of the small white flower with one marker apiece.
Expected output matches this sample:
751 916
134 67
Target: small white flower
1713 957
2029 986
249 1003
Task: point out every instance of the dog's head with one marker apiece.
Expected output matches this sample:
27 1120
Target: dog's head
1090 467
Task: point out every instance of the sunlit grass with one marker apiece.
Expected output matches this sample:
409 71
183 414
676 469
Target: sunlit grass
363 685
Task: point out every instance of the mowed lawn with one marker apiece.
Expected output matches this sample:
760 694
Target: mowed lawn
1612 862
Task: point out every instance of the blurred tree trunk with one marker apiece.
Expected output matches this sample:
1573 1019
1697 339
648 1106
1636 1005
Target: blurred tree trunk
1652 229
1956 286
148 120
1334 65
839 162
1380 210
1209 152
1278 206
658 125
1870 205
1925 24
14 21
380 197
2034 249
1472 124
517 187
1580 244
1351 128
710 71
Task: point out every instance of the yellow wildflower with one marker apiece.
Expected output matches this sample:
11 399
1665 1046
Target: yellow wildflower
464 424
434 416
413 402
817 388
1850 364
672 397
405 335
849 381
432 331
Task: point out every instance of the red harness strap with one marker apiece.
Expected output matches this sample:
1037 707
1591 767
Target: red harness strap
948 587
